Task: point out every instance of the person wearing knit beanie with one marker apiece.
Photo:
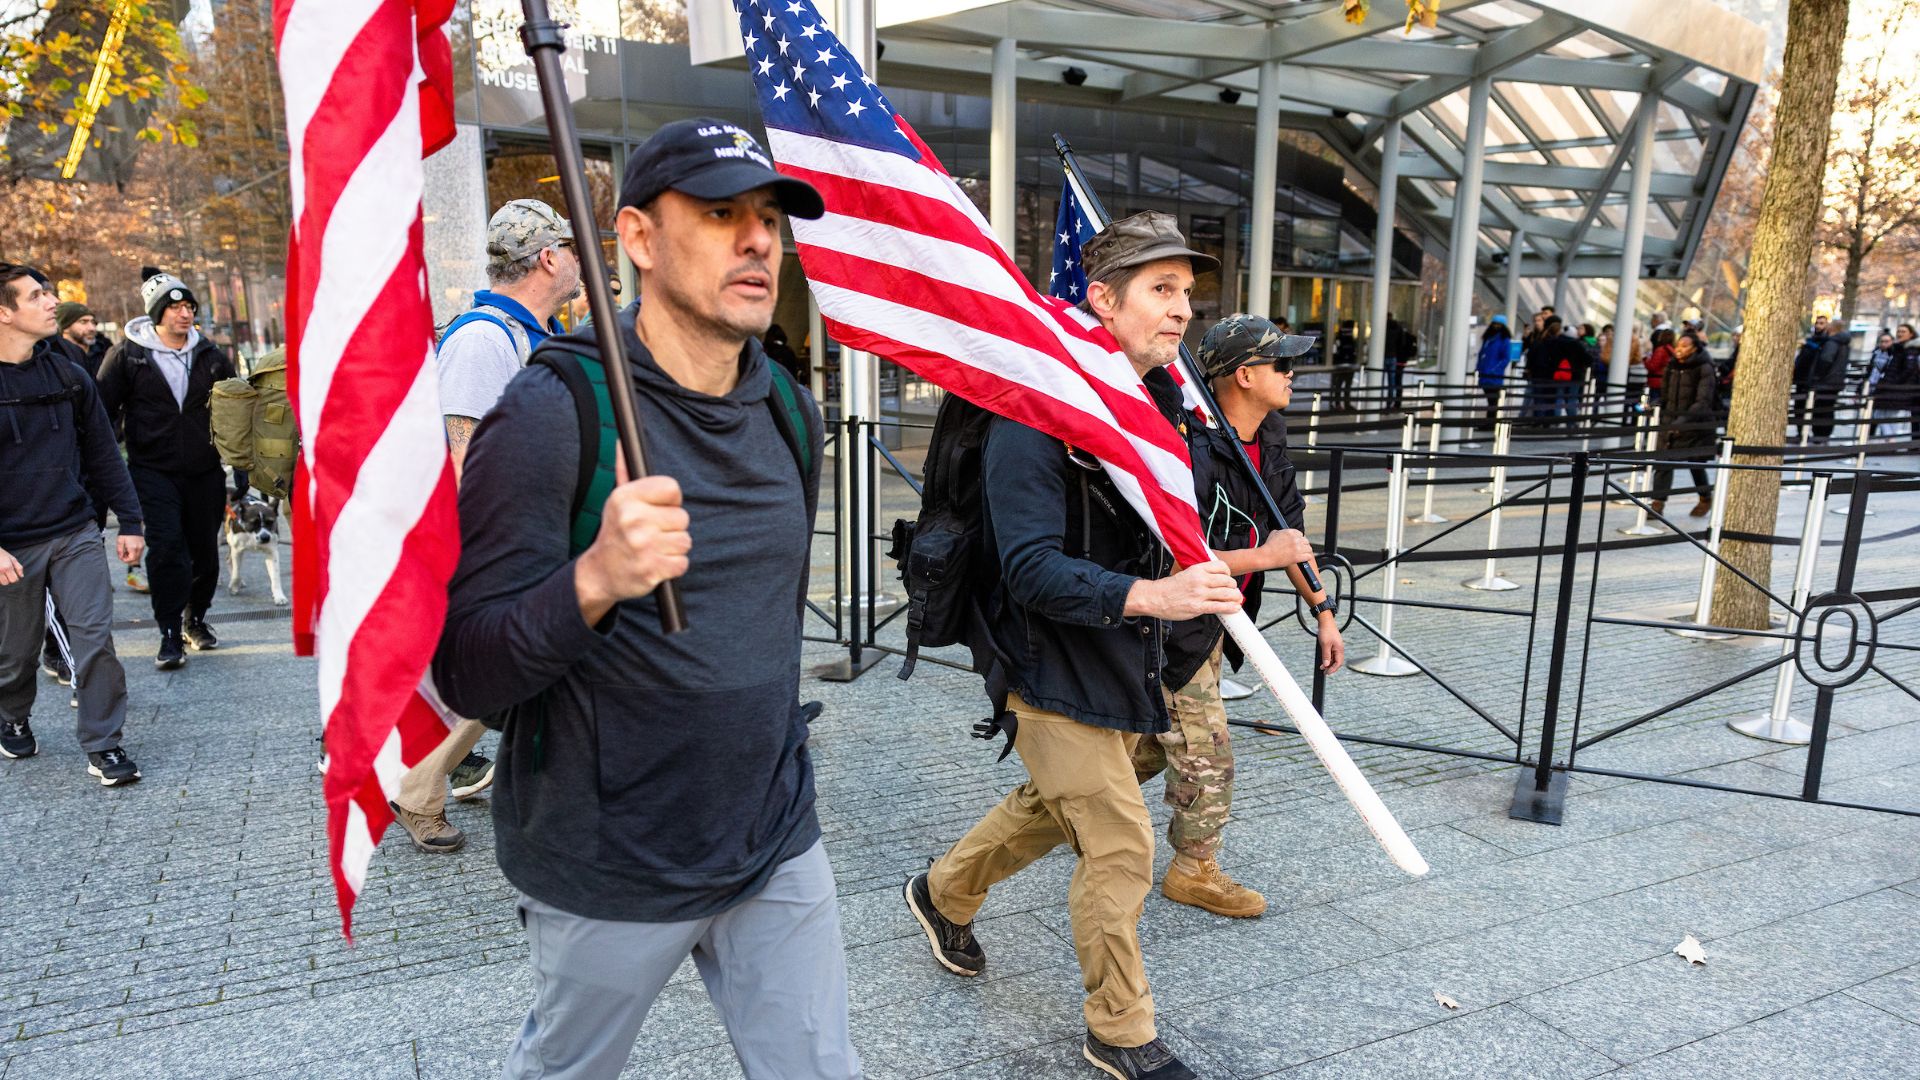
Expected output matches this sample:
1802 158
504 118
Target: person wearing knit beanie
70 312
162 291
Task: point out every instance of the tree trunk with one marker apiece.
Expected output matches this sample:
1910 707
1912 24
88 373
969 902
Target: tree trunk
1850 285
1778 270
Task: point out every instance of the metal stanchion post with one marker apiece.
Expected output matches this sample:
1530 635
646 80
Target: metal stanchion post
1806 432
1386 663
1313 439
1709 563
1776 724
1491 581
1639 444
1587 407
1862 432
1540 794
1499 417
1640 526
1427 516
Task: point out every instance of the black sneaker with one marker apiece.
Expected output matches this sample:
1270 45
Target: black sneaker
172 654
113 767
16 739
471 776
200 635
56 665
1150 1062
952 942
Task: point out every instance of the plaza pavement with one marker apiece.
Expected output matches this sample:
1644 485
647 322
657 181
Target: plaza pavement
185 927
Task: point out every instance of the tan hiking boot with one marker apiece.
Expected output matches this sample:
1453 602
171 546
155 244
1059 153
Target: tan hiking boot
431 833
1204 885
1702 508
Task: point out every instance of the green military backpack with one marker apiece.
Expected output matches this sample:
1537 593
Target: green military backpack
254 427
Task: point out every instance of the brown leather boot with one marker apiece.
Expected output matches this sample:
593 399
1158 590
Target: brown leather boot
433 834
1204 885
1702 508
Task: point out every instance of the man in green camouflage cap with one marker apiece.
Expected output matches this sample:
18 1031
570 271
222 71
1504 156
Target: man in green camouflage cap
1249 363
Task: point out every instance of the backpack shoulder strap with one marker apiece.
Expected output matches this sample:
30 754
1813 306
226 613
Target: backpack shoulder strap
790 418
517 334
586 380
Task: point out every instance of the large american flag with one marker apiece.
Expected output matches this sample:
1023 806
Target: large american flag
368 87
904 266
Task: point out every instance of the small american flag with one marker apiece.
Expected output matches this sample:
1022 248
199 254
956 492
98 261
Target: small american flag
1071 229
903 266
368 88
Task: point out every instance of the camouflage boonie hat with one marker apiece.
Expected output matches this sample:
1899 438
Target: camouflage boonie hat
1243 339
524 227
1139 239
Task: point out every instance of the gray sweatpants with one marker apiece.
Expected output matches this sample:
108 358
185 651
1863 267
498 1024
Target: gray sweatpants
73 570
774 967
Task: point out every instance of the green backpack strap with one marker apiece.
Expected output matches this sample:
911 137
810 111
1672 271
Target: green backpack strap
586 380
790 418
594 480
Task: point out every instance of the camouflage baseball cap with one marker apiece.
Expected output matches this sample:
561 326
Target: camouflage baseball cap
1243 339
1142 238
524 227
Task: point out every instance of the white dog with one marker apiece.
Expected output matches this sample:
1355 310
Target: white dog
253 524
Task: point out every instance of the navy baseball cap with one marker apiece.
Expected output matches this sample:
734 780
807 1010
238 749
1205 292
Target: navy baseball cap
711 159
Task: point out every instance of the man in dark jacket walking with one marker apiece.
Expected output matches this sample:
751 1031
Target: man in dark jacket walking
654 794
1081 617
57 458
1555 364
156 384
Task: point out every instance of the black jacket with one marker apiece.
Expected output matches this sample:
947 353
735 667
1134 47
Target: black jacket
643 777
88 358
1544 354
1900 385
160 432
1829 371
57 457
1227 500
1803 361
1687 403
1058 617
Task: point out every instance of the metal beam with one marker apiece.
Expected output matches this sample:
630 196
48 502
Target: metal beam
1502 52
1383 253
1002 154
1057 28
1463 254
1630 254
1643 117
1571 177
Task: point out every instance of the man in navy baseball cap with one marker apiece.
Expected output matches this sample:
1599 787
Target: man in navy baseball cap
711 159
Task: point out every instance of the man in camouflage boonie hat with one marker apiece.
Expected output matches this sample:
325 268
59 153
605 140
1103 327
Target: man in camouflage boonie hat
1242 339
521 228
1249 363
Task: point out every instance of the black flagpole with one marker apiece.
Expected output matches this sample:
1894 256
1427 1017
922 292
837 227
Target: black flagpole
1194 375
544 44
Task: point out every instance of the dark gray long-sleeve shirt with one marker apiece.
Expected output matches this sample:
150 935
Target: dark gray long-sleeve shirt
58 459
643 777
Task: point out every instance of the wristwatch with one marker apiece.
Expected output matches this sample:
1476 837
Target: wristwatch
1326 605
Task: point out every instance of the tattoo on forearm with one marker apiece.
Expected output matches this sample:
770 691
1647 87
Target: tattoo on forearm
459 434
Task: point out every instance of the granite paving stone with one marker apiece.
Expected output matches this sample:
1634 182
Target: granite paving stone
1502 1041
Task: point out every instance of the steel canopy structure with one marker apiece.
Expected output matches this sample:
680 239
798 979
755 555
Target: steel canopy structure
1528 138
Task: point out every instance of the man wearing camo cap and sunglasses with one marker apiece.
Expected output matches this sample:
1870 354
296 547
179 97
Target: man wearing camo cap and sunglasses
1249 363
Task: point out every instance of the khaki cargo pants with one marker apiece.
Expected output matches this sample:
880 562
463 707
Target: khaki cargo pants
1197 755
1081 792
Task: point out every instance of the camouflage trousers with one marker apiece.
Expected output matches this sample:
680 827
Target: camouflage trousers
1197 755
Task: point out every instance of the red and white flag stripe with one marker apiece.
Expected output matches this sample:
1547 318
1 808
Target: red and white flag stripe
904 249
375 522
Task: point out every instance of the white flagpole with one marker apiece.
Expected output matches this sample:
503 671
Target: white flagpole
1326 746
